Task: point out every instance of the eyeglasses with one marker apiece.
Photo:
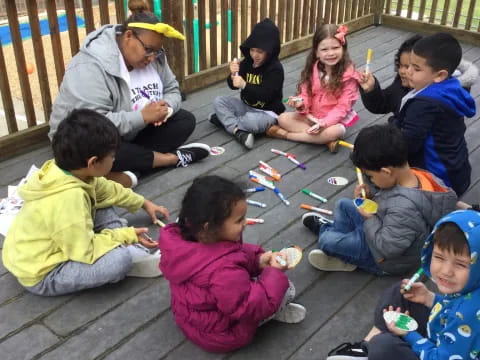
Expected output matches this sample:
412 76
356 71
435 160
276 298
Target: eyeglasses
148 51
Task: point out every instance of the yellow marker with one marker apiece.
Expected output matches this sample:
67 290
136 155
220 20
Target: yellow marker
346 144
369 59
360 181
160 223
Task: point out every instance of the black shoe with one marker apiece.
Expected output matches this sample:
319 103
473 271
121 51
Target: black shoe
213 118
191 153
245 138
347 351
314 221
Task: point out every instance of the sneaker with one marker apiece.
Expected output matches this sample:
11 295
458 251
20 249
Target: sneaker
313 221
321 261
191 153
144 263
292 313
133 177
347 351
277 132
333 146
245 138
213 118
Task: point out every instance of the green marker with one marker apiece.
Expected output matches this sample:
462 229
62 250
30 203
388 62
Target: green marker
413 279
315 196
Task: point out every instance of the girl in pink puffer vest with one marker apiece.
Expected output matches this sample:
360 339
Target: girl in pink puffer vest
221 288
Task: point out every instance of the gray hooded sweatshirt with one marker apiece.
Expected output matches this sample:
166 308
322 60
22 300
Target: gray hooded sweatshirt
92 80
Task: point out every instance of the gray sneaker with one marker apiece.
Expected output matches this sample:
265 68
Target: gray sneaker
321 261
245 138
292 313
144 263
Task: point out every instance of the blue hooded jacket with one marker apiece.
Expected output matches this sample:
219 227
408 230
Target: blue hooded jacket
454 322
433 124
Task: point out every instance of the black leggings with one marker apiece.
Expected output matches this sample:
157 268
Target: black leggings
137 155
387 345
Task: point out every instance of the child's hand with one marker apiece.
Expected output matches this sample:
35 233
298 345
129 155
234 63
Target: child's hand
152 210
391 324
295 102
274 262
367 81
238 82
234 66
265 259
418 293
144 239
357 192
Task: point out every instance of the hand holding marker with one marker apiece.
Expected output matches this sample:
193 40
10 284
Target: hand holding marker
369 59
360 181
414 278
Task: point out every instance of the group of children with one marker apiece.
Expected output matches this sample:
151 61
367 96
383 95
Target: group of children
223 289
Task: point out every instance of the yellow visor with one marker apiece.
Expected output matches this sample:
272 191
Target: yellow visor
160 28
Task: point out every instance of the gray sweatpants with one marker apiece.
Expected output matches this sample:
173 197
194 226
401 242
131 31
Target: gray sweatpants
234 113
72 276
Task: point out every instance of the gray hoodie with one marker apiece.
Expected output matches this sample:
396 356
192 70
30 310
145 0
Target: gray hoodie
92 80
405 217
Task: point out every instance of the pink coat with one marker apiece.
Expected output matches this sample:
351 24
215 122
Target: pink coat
214 297
323 104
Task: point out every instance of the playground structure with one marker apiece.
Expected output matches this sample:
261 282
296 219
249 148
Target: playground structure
213 28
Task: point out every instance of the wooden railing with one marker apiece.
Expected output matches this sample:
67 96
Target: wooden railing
214 29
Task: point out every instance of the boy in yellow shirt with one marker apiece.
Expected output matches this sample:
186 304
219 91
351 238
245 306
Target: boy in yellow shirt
67 236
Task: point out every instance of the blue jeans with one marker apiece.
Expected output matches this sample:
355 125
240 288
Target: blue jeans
345 238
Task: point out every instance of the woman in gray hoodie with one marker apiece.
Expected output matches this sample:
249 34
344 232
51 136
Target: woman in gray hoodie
121 71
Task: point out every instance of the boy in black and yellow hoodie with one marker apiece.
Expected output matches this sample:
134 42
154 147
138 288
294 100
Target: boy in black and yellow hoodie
260 77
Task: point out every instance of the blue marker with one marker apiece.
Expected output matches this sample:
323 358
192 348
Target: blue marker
255 189
256 203
280 195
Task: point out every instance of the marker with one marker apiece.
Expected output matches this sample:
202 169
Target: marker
253 221
294 98
281 260
414 278
160 223
346 144
313 208
263 182
255 189
360 181
235 60
369 59
146 236
290 157
281 196
315 196
267 169
261 176
256 203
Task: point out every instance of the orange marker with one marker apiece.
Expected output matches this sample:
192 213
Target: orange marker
313 208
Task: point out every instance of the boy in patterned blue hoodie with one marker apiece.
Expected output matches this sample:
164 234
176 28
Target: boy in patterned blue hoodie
449 324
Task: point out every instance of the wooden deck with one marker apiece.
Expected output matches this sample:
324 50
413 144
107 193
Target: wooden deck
132 319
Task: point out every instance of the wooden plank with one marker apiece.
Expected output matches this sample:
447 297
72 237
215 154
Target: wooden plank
202 35
235 32
244 20
297 19
37 43
254 12
347 10
471 10
458 12
421 11
333 17
223 31
410 9
56 41
7 102
446 9
433 11
320 13
305 17
104 16
17 42
272 10
328 12
119 11
281 19
361 3
341 11
88 15
399 8
388 6
176 49
470 37
23 140
366 7
213 32
189 35
72 26
313 12
353 12
289 21
263 9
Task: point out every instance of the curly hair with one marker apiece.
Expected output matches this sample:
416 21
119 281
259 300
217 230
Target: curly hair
406 46
334 84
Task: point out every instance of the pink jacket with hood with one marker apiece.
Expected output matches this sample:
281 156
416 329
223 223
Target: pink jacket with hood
214 299
323 104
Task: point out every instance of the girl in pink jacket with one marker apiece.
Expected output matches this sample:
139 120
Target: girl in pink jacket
327 90
221 288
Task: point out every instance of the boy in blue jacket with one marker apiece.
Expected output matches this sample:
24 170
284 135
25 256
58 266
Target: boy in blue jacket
432 114
448 324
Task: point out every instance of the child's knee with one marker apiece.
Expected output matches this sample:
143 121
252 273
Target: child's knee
119 266
381 346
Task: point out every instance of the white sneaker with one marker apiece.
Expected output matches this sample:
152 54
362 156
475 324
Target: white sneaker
321 261
144 263
132 177
292 313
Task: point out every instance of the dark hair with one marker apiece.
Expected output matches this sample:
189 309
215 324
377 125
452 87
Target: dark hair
448 236
379 146
406 46
335 84
84 133
209 199
441 51
140 13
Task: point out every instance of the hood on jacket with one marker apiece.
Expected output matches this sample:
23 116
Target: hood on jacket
450 93
469 222
466 73
50 180
266 36
178 263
